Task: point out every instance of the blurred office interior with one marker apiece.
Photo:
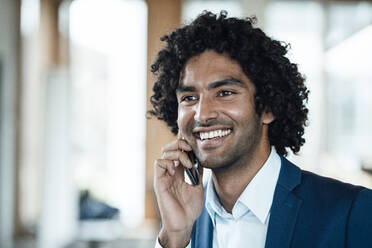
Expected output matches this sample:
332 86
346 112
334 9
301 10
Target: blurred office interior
76 149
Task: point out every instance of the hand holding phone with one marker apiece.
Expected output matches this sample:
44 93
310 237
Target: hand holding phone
180 203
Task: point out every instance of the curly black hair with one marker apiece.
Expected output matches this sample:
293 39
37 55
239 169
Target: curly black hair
279 86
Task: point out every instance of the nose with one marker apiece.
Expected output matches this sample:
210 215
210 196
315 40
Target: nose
205 110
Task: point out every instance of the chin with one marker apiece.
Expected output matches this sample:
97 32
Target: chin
218 162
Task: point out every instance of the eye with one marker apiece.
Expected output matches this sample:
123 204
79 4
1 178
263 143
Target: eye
188 98
225 93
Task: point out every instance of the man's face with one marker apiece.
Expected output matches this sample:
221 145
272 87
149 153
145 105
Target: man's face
216 111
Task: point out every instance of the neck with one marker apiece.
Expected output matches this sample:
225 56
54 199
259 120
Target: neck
229 183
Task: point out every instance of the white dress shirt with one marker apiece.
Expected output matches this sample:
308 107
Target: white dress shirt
248 222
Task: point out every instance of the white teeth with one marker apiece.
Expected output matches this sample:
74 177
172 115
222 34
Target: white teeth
213 134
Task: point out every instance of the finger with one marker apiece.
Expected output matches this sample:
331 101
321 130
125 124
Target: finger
178 155
162 166
176 163
180 172
178 144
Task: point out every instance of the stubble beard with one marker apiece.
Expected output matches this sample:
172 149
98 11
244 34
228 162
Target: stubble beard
240 155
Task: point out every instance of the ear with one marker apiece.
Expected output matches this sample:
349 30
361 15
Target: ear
267 116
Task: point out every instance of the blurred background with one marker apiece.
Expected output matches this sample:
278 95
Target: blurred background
76 151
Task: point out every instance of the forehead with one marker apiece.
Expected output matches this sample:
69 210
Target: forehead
211 66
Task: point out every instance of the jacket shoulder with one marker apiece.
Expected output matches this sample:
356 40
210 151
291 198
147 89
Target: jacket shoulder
339 211
328 189
359 228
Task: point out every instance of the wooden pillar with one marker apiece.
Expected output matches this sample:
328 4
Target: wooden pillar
163 16
49 32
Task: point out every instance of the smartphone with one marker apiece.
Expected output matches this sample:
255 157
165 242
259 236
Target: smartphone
193 173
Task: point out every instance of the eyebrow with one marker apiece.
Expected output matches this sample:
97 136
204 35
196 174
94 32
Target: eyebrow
227 81
214 85
182 88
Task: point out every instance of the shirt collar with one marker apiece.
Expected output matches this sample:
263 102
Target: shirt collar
257 196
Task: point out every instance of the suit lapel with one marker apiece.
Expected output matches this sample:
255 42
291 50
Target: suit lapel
285 207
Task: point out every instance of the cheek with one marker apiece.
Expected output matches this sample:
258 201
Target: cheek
240 113
183 118
238 110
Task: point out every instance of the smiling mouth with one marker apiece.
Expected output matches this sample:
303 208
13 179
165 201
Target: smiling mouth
213 134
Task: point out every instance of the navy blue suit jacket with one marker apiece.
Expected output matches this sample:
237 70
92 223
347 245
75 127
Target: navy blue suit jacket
308 211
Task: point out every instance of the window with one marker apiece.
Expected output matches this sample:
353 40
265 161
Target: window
108 62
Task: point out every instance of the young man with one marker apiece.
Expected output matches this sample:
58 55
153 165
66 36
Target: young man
234 99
